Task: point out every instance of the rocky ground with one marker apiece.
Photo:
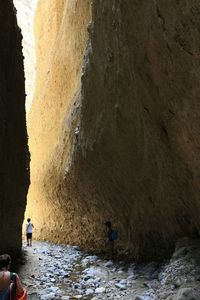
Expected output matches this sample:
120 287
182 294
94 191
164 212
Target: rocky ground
64 272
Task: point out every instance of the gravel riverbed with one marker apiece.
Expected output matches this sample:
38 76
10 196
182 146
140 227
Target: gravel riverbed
65 272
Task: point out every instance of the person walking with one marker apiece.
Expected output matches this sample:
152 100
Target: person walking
10 284
29 232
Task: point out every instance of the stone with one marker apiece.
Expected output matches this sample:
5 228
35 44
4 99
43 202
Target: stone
100 290
54 289
49 296
89 292
187 294
109 264
120 286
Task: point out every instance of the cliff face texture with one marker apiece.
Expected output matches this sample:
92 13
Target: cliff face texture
14 168
114 127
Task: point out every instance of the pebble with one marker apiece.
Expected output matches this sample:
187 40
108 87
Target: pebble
49 296
89 292
187 294
100 290
109 264
120 286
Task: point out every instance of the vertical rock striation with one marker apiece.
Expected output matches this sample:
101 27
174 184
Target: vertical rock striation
141 137
54 114
121 140
14 168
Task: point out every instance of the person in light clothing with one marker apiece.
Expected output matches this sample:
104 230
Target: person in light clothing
29 232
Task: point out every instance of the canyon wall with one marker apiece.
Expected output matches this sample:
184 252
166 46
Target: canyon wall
14 155
114 127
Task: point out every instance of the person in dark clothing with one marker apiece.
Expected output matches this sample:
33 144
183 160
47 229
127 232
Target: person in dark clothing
109 240
109 231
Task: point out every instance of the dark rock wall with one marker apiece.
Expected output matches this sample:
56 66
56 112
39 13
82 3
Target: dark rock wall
140 121
14 156
128 145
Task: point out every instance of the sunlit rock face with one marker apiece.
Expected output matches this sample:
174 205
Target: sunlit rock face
61 41
114 128
14 157
25 17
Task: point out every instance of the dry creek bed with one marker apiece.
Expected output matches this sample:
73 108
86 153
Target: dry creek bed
65 273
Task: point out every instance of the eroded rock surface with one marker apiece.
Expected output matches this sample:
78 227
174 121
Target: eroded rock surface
119 139
14 156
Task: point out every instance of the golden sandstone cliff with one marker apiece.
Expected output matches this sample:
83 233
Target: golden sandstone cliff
114 127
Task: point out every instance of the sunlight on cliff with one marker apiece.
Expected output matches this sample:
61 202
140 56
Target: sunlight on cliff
60 29
25 17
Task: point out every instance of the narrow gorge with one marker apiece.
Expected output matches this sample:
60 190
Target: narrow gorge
114 131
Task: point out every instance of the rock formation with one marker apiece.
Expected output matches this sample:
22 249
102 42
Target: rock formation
114 127
14 156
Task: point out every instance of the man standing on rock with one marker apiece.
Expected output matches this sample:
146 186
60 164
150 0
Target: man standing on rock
29 232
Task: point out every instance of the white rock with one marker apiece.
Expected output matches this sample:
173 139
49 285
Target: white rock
50 296
54 289
120 286
89 292
100 290
123 281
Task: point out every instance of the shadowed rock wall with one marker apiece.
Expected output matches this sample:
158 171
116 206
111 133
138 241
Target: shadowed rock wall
14 168
122 143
